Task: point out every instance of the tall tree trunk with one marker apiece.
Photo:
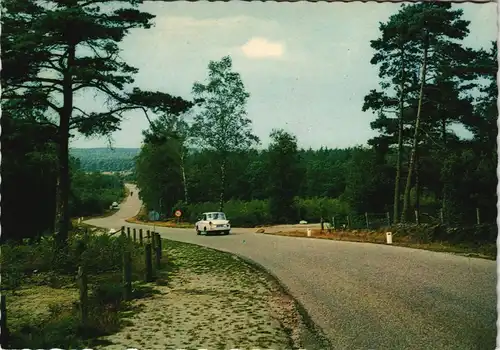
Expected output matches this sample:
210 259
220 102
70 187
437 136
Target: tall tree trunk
64 224
57 216
417 184
406 199
184 180
397 182
222 184
444 188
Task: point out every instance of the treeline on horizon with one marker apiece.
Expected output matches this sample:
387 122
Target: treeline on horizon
101 159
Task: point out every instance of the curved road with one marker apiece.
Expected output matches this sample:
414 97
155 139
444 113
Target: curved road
367 296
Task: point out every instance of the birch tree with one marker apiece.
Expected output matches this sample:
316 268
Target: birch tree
221 123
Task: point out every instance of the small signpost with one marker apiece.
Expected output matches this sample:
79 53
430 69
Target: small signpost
178 215
154 216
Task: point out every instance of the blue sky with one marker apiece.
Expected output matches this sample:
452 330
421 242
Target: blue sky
305 65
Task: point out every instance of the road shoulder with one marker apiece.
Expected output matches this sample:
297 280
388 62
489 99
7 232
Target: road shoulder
213 299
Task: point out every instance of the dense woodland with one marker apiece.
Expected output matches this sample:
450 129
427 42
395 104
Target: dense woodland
417 168
106 159
53 51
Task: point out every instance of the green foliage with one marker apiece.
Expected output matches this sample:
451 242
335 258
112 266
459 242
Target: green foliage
159 174
101 254
45 64
41 263
285 176
240 213
29 175
257 212
426 233
106 159
313 209
92 194
221 124
369 183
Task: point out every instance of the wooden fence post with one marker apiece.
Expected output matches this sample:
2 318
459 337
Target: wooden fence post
348 222
149 263
366 220
158 257
333 222
127 275
441 216
322 224
4 335
148 236
83 288
122 231
388 215
128 232
140 236
417 217
153 240
134 234
478 217
159 243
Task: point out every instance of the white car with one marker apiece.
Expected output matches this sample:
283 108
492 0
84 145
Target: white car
213 222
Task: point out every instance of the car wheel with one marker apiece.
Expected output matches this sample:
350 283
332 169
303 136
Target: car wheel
226 232
198 231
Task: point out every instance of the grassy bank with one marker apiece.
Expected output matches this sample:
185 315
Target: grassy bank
212 300
142 218
42 293
471 249
196 288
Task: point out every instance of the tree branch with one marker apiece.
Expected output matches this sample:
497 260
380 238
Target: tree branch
97 115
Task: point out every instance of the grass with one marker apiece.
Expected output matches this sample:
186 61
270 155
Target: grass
42 295
210 299
195 289
484 251
170 223
140 218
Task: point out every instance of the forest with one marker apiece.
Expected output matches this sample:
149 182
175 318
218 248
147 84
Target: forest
416 170
105 159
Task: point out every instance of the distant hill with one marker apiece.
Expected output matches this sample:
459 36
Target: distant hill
106 159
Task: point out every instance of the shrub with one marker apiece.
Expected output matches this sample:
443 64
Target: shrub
98 253
240 213
102 257
426 233
256 212
312 209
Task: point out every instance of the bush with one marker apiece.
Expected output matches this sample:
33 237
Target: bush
97 253
256 212
313 209
63 329
92 194
426 233
102 257
240 213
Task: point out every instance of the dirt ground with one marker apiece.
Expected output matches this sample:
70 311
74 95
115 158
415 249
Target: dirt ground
212 300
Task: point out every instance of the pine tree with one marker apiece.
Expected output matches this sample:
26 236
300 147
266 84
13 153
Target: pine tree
55 49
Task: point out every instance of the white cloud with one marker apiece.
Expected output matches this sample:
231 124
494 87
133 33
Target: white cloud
263 48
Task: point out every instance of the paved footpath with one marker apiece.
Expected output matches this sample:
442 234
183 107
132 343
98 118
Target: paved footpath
367 296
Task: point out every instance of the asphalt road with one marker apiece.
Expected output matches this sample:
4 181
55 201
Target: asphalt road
367 296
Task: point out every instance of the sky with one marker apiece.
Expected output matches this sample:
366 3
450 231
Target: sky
306 65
